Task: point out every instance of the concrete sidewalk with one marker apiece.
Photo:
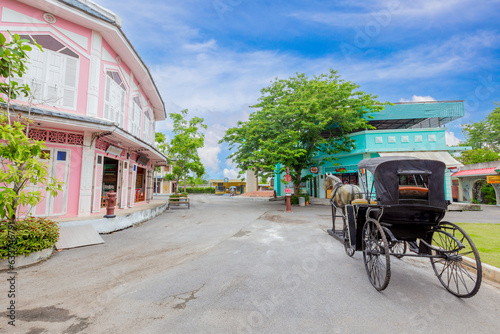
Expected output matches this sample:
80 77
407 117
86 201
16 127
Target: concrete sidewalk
124 218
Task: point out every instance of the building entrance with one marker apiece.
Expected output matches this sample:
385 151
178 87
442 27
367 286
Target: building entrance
140 185
109 178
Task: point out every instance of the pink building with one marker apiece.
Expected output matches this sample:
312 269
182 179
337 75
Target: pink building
95 104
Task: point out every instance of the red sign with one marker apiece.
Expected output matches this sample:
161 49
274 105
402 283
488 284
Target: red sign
314 170
340 170
288 178
288 190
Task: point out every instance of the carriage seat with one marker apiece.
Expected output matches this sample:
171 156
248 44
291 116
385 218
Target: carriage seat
362 201
411 192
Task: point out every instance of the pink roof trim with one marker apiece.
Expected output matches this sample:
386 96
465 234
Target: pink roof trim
475 172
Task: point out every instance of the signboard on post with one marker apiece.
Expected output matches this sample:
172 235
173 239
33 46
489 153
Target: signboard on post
493 178
226 179
314 169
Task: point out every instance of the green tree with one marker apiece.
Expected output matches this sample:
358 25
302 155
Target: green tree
486 133
13 59
478 155
183 148
297 119
484 137
161 142
21 158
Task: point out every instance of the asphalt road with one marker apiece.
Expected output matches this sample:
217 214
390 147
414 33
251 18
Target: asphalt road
232 266
490 214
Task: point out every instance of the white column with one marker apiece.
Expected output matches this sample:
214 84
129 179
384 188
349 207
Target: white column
86 177
321 183
94 74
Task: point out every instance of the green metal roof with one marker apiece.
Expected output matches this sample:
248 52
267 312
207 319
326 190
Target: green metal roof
405 115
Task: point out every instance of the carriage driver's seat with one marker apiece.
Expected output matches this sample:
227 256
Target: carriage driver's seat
361 201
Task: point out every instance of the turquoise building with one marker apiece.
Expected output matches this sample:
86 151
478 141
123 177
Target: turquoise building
404 129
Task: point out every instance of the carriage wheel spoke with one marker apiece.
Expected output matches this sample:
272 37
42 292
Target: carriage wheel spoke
460 277
465 271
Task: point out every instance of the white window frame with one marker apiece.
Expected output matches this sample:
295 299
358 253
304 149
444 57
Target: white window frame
114 104
52 77
135 115
146 127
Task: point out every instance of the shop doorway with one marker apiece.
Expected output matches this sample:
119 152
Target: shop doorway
109 179
140 185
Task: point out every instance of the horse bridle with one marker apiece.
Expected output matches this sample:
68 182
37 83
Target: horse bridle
335 188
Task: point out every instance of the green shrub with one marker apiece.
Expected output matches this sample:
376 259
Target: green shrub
179 195
198 190
32 235
489 194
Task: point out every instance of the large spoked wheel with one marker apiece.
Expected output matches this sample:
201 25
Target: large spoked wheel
376 254
459 268
399 249
347 246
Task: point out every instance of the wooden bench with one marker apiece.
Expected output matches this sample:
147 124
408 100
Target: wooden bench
178 201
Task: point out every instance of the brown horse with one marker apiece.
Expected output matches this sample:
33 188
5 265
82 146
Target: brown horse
342 194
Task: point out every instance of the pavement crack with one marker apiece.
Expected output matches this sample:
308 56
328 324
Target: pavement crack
191 296
241 233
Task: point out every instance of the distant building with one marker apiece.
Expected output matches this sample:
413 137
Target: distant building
413 129
95 104
163 186
221 187
468 181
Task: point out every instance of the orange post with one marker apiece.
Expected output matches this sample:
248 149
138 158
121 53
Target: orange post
110 207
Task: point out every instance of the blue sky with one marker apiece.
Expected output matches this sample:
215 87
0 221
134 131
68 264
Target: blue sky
214 56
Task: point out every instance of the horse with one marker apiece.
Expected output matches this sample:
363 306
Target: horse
342 194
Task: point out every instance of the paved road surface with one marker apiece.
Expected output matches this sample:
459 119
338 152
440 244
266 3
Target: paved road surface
229 266
489 214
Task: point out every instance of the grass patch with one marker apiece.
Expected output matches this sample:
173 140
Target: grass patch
486 237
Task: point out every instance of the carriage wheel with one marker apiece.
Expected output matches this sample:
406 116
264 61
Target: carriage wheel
376 254
399 249
459 275
347 246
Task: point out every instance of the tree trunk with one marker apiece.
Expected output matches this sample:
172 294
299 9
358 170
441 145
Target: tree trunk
296 185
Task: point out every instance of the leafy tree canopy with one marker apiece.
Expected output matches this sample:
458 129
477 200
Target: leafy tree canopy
13 58
297 119
486 133
478 155
183 148
484 137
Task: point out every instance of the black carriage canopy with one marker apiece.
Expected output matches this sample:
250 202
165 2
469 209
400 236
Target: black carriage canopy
389 171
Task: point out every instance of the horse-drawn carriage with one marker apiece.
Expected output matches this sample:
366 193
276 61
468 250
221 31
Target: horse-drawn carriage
401 205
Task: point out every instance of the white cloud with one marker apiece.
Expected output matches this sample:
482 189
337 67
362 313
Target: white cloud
451 139
209 154
397 12
201 47
230 173
416 98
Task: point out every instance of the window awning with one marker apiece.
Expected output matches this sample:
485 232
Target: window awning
443 156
